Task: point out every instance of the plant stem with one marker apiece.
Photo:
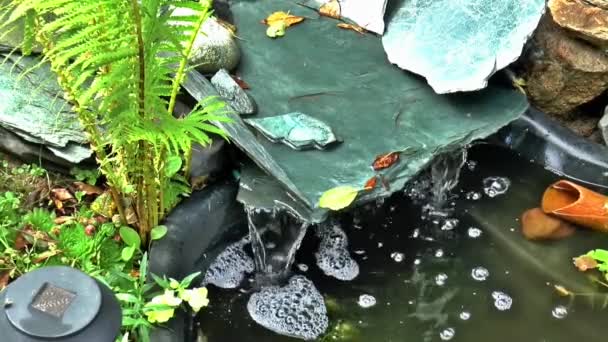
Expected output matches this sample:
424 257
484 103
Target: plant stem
141 58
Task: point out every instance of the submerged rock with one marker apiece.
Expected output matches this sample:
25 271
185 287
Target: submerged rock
584 17
295 310
563 71
230 91
458 45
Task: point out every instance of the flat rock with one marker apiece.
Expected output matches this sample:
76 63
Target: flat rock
231 92
563 71
588 19
296 130
458 45
603 125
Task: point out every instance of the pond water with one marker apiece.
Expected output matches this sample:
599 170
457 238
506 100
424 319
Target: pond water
470 276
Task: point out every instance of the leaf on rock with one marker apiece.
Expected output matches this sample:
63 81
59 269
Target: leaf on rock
338 198
240 82
371 183
331 9
585 262
385 161
352 27
276 30
283 18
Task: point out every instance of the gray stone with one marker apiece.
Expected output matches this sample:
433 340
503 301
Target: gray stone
603 125
231 92
365 13
458 45
296 130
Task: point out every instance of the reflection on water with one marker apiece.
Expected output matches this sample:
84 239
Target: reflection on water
467 277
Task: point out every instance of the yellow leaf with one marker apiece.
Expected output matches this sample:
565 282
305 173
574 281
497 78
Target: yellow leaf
283 18
338 198
331 9
352 27
276 30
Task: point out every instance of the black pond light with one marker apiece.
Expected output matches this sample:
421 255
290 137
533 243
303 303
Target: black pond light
58 304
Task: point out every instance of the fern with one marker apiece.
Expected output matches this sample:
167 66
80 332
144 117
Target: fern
120 64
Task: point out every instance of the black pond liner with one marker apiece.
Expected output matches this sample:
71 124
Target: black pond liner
202 226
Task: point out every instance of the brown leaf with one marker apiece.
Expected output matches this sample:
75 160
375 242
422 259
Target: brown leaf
240 82
584 263
352 27
536 225
283 18
63 219
5 276
331 9
20 242
371 183
88 189
42 257
228 26
385 161
62 194
562 291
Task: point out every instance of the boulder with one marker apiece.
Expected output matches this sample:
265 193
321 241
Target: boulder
563 72
585 18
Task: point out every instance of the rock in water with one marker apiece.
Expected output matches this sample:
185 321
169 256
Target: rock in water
230 91
458 45
587 19
295 310
563 72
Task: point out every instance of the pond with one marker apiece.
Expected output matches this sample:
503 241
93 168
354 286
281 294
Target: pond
472 278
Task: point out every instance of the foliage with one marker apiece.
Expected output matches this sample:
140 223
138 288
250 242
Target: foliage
22 178
120 64
84 175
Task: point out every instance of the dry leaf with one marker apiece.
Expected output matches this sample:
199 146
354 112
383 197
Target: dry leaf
63 219
61 194
331 9
240 82
562 291
228 26
352 27
584 263
4 278
42 257
88 189
282 18
371 183
385 161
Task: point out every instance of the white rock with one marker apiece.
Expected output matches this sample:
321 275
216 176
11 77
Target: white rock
603 125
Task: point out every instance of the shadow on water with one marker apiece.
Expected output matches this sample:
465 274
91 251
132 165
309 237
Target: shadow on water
473 279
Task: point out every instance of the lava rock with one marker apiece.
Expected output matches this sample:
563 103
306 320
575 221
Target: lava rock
588 20
603 126
231 92
536 225
563 72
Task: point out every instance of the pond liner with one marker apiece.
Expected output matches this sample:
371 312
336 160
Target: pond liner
544 141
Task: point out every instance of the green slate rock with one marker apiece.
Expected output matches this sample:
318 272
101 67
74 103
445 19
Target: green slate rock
296 130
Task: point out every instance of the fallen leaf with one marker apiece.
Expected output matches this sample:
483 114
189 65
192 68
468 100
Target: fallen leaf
584 263
63 219
62 194
331 9
88 189
385 161
228 26
536 225
240 82
338 198
4 278
282 18
562 291
352 27
42 257
20 242
371 183
276 30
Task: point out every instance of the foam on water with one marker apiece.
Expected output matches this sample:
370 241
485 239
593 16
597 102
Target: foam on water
502 301
333 257
440 279
366 301
447 334
560 312
295 310
230 267
480 273
495 186
465 315
474 232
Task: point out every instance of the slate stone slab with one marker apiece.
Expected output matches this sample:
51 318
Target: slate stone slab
458 44
344 80
230 91
365 13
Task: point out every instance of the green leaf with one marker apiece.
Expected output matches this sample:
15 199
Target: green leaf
172 166
599 255
130 236
127 297
338 198
127 253
162 282
158 232
188 280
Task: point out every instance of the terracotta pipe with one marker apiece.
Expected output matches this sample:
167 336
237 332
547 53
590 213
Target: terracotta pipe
574 203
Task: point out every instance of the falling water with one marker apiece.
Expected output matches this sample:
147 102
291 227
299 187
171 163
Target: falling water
445 173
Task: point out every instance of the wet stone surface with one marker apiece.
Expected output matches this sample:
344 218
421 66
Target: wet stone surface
231 92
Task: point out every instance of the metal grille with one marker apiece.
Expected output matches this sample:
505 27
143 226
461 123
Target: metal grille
53 300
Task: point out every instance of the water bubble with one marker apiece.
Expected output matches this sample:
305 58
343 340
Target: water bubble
417 262
230 267
471 165
560 312
473 196
416 233
474 232
440 279
494 186
447 334
449 224
380 245
397 256
465 315
502 301
303 267
439 253
480 273
333 257
366 301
